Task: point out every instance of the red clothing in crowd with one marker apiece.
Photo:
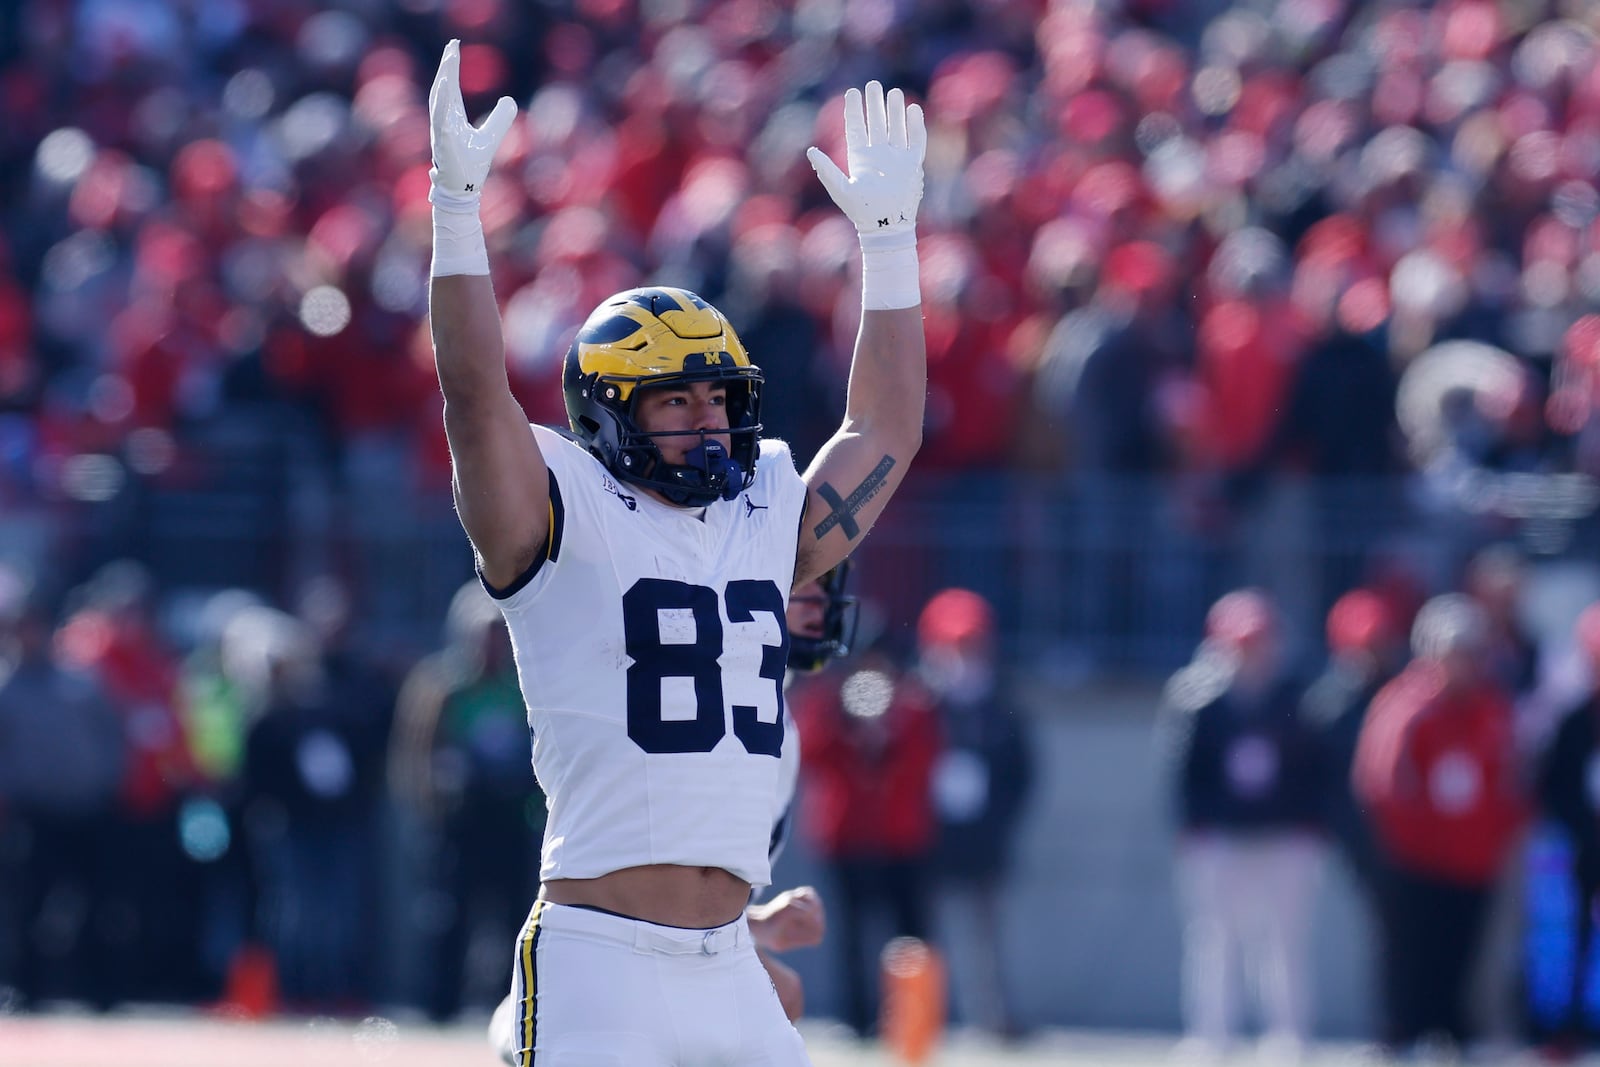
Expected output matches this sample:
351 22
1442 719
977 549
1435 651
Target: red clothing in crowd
141 678
974 392
1247 356
866 778
1436 771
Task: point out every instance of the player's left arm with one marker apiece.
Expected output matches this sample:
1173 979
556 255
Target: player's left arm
860 467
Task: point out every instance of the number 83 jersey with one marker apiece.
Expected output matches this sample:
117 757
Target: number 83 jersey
651 646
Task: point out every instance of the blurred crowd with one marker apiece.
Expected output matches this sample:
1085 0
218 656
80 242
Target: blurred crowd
247 811
241 810
1444 755
916 769
1158 238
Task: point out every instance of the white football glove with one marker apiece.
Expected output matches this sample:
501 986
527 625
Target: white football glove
885 141
462 152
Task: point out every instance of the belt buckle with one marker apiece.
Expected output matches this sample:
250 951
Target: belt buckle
705 943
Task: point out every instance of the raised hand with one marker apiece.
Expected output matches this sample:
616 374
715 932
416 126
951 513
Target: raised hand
885 141
462 152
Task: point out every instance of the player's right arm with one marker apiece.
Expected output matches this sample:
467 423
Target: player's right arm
501 488
786 983
852 477
498 477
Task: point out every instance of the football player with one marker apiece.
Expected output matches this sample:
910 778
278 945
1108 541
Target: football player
644 566
821 627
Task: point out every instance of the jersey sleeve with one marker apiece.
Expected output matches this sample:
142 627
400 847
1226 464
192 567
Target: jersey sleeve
570 508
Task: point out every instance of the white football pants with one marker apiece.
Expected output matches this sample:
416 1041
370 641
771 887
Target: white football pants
593 989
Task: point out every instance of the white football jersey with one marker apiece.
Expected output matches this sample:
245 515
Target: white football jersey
788 787
651 646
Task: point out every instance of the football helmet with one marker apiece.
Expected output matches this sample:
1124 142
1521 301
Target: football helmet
647 338
839 616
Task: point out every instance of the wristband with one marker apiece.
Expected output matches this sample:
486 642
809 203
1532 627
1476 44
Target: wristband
891 275
458 246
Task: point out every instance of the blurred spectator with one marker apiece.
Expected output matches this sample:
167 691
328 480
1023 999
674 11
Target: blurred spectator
1106 364
1244 775
973 387
784 338
459 759
1366 648
216 707
980 786
1248 344
213 704
309 767
1337 420
822 619
1334 430
111 631
62 752
1496 577
1107 372
360 683
870 741
1436 766
1569 797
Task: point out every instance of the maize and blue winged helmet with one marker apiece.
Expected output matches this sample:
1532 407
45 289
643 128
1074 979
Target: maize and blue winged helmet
648 338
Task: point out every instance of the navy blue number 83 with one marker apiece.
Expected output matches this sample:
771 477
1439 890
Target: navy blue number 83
654 661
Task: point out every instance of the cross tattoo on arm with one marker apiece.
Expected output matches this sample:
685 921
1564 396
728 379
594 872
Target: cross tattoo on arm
844 510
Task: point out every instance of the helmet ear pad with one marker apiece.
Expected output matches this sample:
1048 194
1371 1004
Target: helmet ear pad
598 424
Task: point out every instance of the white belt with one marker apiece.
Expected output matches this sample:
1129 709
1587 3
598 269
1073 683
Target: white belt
644 936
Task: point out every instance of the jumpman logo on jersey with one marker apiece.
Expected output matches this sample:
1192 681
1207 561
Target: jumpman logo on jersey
750 509
616 491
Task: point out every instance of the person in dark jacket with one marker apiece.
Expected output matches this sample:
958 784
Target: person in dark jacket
980 787
458 761
309 768
62 759
1366 648
1250 853
1569 797
1497 578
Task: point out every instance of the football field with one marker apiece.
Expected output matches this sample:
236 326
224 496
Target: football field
154 1040
69 1040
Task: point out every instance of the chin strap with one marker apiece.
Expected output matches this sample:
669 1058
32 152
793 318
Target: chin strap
712 458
